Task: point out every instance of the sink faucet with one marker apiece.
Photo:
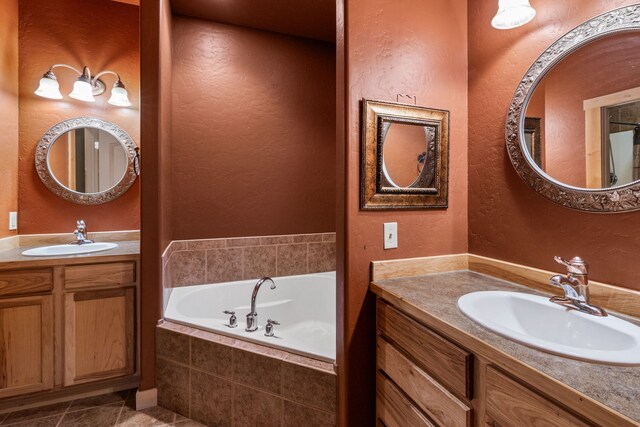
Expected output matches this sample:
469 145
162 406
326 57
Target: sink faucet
81 233
252 317
575 286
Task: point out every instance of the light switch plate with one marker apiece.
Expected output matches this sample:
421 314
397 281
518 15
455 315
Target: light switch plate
13 220
390 235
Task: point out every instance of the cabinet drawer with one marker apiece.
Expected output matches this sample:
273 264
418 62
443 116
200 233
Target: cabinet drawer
431 397
442 359
20 282
512 404
394 409
90 275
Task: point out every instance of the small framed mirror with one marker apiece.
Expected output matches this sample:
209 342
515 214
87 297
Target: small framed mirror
405 156
87 160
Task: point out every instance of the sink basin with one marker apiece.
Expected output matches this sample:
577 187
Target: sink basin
535 321
69 249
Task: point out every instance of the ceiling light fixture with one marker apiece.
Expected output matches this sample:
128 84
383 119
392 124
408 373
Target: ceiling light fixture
512 14
85 87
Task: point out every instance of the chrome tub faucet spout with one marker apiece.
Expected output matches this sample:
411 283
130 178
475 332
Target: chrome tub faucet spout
81 233
575 286
252 317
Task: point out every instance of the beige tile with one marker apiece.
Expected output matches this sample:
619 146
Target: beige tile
259 262
103 399
308 362
257 371
179 245
307 238
224 265
187 423
211 399
34 413
187 268
309 387
40 422
276 240
296 415
291 259
212 357
166 275
173 386
102 416
322 257
329 237
216 338
265 410
172 345
207 244
243 242
150 417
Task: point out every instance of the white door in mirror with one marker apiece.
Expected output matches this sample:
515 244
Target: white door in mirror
535 321
390 235
70 249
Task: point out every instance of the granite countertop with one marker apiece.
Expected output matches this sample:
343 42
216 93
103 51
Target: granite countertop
617 387
13 257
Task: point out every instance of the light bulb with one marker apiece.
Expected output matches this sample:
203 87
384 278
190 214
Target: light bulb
49 87
119 95
512 14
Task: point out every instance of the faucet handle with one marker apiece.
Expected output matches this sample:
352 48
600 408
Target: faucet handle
233 320
269 328
576 266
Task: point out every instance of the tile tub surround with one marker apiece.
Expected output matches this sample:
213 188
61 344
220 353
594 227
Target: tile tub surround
197 262
221 381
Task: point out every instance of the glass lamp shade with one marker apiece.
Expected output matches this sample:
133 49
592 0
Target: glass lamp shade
119 97
512 14
82 91
49 88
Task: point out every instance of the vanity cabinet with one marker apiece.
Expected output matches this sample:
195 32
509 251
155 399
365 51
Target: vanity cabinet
426 379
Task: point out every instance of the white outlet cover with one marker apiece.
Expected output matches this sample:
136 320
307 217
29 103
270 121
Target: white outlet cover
13 220
390 235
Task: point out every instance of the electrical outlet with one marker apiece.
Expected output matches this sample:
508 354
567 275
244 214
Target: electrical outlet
13 220
390 235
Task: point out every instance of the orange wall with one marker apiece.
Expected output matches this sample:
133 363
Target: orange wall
102 35
508 220
420 50
8 113
253 125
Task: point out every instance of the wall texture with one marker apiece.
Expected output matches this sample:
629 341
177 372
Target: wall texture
102 36
420 50
8 113
508 220
253 125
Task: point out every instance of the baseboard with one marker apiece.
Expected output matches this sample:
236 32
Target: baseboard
146 399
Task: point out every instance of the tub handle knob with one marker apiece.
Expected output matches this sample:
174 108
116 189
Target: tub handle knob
233 320
269 328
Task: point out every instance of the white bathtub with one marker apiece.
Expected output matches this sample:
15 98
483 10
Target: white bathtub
304 305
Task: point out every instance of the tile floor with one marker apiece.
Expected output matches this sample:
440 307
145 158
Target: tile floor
107 410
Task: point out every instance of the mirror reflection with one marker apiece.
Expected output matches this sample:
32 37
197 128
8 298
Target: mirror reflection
87 160
404 153
582 120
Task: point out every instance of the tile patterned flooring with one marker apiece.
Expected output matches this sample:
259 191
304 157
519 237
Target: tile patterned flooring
107 410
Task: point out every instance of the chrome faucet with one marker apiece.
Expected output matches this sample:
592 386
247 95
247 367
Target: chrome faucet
575 286
81 233
252 317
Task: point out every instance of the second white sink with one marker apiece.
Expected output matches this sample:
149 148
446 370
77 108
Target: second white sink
69 249
535 321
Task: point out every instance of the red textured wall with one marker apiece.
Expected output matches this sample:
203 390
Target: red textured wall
508 220
253 125
104 35
418 49
8 113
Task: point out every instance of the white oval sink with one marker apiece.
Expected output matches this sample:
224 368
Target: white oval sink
535 321
69 249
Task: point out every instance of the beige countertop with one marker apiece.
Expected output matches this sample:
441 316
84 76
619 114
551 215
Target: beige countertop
436 295
13 258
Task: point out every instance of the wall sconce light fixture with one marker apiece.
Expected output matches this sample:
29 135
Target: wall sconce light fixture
85 86
512 14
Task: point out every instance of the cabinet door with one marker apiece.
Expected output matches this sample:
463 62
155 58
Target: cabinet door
99 335
26 347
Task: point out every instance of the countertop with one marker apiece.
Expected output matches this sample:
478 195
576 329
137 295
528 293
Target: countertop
13 258
617 387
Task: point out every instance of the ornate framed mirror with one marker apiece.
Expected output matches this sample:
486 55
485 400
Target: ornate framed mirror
86 160
405 156
573 126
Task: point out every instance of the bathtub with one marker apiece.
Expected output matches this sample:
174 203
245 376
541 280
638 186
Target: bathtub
305 307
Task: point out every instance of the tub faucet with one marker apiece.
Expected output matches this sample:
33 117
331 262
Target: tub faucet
81 233
252 317
575 286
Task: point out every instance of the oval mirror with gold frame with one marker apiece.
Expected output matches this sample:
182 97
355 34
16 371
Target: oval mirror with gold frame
523 138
